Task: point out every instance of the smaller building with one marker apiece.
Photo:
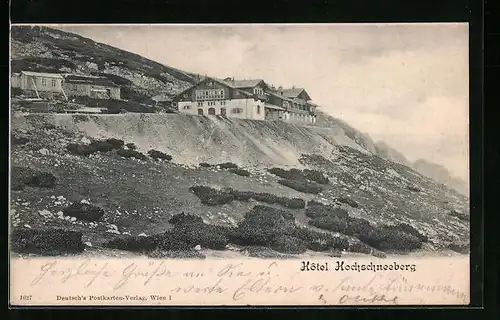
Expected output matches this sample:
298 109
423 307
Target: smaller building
37 81
94 87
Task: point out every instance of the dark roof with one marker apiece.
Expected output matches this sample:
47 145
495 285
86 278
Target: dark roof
99 81
244 83
293 92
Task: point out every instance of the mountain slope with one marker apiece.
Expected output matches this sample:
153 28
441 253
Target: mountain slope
49 50
140 196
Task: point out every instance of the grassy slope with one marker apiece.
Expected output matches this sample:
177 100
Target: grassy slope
141 196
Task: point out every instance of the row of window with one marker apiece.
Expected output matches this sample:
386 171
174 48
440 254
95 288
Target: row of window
53 82
223 110
211 103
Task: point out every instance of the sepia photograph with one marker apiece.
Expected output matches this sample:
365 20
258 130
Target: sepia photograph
304 145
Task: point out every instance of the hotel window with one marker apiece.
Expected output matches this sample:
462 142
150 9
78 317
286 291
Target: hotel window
44 82
200 103
187 107
222 103
53 82
236 110
258 109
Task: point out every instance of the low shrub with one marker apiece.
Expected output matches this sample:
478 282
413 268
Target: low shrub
16 140
205 165
84 211
240 172
459 215
319 241
185 254
291 203
155 154
414 188
131 154
115 143
302 186
205 235
262 224
131 146
288 244
80 149
348 201
47 242
101 146
43 180
133 243
358 227
389 239
404 227
227 165
211 196
317 209
316 176
25 176
330 223
183 218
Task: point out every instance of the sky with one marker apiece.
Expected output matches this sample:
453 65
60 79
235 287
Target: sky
405 84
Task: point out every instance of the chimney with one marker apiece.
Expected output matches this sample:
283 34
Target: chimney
280 89
233 78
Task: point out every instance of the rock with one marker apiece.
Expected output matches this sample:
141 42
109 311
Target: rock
44 151
88 244
73 219
113 231
142 235
85 201
27 226
60 213
85 140
45 212
67 218
197 248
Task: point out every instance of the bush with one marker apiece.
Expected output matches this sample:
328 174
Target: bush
131 146
46 242
315 175
18 140
43 180
348 201
316 209
459 215
184 254
302 186
133 243
240 172
210 196
358 227
183 218
84 211
155 154
205 165
207 236
331 223
262 224
406 228
115 143
389 239
227 165
291 203
288 244
80 149
319 241
25 176
414 188
101 146
131 154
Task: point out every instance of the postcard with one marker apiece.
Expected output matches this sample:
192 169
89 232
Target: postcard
239 165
